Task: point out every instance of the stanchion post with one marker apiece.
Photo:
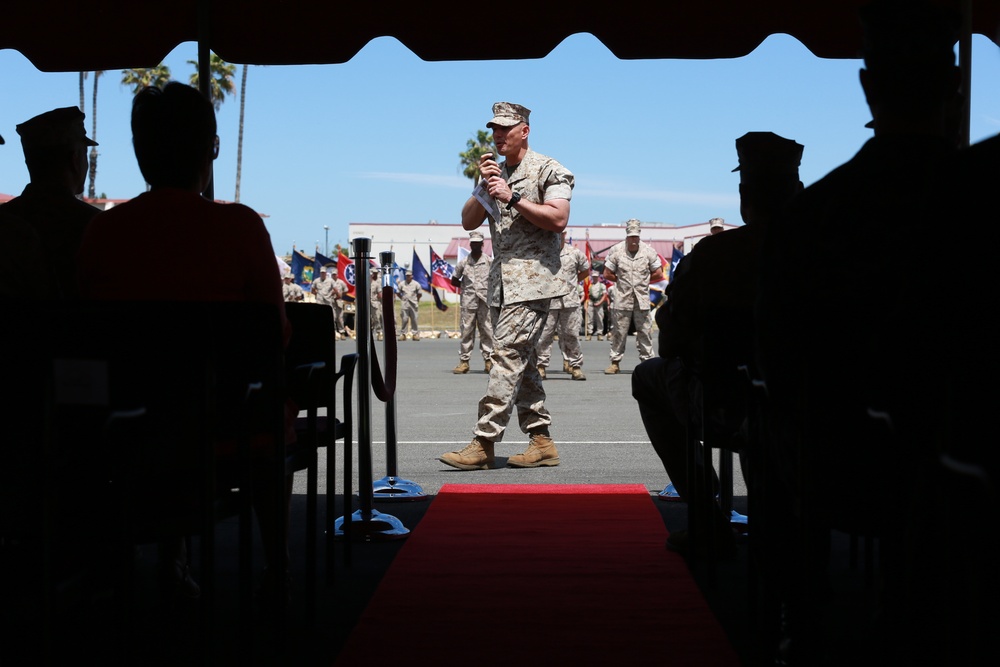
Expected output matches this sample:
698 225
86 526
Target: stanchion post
391 487
366 524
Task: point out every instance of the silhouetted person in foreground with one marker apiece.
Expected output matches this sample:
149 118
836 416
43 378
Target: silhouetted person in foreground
174 135
712 294
834 265
939 360
47 220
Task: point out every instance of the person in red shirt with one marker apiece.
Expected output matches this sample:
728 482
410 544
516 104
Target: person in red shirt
175 141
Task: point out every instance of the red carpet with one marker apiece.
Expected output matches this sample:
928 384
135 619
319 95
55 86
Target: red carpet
538 575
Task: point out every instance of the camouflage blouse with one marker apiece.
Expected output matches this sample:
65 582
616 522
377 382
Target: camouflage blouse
526 258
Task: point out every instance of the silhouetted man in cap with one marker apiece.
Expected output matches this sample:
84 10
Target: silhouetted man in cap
712 295
55 147
835 265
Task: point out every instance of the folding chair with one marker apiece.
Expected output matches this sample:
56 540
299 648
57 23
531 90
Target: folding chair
312 382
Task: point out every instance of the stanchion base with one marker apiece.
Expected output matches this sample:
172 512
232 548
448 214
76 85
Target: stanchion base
394 489
379 528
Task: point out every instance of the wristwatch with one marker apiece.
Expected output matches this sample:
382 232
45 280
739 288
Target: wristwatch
514 198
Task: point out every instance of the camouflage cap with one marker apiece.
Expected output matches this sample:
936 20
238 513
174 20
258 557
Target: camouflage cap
715 223
767 153
475 237
59 127
322 269
632 228
508 114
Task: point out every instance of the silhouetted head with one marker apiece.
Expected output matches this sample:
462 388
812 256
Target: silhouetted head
173 133
769 174
55 147
910 73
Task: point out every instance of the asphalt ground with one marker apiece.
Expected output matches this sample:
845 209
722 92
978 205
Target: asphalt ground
595 423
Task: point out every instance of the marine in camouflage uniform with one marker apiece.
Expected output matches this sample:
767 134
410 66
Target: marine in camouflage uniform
340 289
375 291
597 298
409 296
322 288
632 264
564 314
532 193
472 277
290 291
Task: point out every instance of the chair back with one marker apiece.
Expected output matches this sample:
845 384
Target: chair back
311 356
141 397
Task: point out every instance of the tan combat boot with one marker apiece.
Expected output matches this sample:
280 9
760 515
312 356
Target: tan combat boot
463 367
578 374
488 365
600 337
541 451
541 371
566 367
477 455
612 369
588 336
402 336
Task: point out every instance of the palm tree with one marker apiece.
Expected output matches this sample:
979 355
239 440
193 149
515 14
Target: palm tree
483 143
92 190
239 141
144 77
222 79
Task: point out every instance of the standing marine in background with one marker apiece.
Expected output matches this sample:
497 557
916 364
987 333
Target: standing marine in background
472 277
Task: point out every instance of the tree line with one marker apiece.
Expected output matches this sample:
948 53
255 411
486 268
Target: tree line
220 87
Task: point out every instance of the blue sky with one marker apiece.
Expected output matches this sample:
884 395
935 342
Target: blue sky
377 139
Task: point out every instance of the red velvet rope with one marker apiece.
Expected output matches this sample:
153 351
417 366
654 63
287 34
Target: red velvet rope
385 386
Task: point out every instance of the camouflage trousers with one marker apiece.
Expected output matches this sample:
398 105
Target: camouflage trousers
473 319
566 323
408 313
376 317
595 323
514 380
338 315
620 319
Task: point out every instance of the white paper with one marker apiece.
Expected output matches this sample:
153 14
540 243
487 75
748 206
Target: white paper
482 195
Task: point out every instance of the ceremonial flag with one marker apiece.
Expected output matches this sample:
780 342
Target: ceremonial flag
590 267
345 271
398 276
462 254
302 269
441 273
424 280
676 258
322 261
657 289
